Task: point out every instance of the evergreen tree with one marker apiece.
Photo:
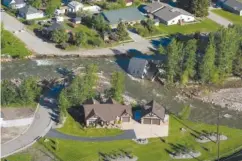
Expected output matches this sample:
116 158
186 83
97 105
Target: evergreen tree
59 36
80 38
200 7
117 89
9 93
172 63
189 60
121 31
207 66
226 47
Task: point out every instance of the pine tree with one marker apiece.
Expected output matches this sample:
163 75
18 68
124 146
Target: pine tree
200 8
189 60
207 66
121 31
117 89
172 61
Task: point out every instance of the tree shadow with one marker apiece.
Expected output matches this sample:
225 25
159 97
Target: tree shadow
77 113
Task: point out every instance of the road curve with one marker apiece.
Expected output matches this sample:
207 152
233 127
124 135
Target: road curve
127 134
39 47
40 126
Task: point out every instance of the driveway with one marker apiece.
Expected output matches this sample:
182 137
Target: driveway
147 131
135 37
40 126
39 47
127 134
218 19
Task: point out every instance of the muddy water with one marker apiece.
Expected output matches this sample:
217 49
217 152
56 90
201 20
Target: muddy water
138 89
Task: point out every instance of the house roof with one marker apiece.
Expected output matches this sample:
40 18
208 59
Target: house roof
152 7
55 26
235 4
125 14
168 13
107 111
19 1
74 4
137 66
155 108
28 10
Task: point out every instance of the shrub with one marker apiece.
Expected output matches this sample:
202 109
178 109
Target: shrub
29 22
64 45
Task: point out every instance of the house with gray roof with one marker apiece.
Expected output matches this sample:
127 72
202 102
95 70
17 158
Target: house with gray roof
169 15
153 7
138 67
153 113
15 4
234 6
110 112
130 15
28 12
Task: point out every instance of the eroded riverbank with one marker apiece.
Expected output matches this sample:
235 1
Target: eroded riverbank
141 90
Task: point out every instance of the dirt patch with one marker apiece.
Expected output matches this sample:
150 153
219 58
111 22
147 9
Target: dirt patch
11 133
16 113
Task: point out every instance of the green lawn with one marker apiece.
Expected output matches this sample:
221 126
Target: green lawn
12 46
156 149
19 157
204 26
72 127
236 19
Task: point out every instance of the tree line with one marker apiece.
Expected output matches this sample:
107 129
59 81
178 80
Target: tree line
221 58
83 87
24 94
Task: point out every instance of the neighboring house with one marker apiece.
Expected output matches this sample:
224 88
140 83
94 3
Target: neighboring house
52 27
153 113
153 7
74 6
110 112
15 4
130 15
138 67
29 13
92 9
60 11
77 20
167 14
234 6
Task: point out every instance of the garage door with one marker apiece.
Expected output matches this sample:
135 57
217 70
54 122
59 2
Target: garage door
156 121
125 119
147 121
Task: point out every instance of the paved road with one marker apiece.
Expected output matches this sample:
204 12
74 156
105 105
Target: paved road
218 19
135 37
40 47
128 134
40 126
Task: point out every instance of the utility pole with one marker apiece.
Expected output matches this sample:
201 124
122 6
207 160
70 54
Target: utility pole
218 136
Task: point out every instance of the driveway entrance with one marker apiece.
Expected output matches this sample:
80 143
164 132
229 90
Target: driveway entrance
146 130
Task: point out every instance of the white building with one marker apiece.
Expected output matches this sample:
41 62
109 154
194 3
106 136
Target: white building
92 9
74 6
29 13
138 67
167 14
15 4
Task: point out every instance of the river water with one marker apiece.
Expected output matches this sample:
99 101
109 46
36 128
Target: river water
141 90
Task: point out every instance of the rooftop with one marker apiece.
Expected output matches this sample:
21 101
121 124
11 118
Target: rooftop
155 108
152 7
107 111
236 4
29 10
168 13
124 14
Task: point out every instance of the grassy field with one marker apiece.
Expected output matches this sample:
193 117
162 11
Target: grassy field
156 150
72 127
236 19
12 46
205 26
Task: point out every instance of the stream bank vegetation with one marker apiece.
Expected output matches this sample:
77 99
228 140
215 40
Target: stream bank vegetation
192 61
20 93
